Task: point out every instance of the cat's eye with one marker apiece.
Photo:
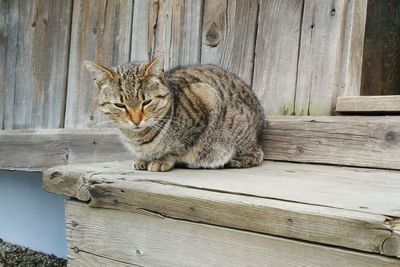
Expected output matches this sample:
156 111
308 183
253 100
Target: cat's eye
146 102
119 105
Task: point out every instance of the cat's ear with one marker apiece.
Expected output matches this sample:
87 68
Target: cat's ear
155 66
99 73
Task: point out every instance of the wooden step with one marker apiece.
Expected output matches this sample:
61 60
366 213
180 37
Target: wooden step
368 104
352 208
343 140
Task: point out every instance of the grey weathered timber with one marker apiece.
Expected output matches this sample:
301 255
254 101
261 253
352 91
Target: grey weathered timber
351 140
177 31
353 47
287 199
320 57
132 239
140 44
33 75
355 140
101 32
33 150
229 33
276 55
368 104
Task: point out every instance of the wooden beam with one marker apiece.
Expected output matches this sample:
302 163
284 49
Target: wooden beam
285 199
364 104
342 140
34 150
100 237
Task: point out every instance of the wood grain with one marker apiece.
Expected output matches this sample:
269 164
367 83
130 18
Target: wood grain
229 32
178 32
320 56
148 240
276 55
36 41
381 52
362 104
354 140
344 140
33 150
354 32
101 32
258 199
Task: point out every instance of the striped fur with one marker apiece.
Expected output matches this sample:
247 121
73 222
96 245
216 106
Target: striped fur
199 116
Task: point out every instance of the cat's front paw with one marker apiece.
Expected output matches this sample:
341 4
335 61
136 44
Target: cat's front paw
140 164
160 166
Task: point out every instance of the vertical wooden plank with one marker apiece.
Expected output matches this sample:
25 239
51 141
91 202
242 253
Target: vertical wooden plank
177 31
275 63
351 69
8 55
37 56
381 67
229 32
101 31
140 47
320 56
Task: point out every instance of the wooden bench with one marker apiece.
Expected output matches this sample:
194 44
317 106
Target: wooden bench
288 212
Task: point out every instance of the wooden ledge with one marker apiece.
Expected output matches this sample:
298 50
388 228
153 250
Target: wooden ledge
369 104
342 140
346 207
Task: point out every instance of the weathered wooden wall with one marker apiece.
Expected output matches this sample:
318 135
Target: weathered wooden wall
295 53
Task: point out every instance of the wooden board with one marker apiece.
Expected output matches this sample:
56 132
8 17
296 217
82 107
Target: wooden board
276 55
34 73
363 104
320 56
177 31
229 33
285 199
33 150
381 61
139 240
351 140
353 44
354 140
101 32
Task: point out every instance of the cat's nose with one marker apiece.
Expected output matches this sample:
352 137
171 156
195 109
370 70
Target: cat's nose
136 121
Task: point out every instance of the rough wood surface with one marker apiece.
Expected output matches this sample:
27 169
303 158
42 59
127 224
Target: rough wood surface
101 32
142 240
320 56
287 199
276 55
177 31
353 48
229 32
353 141
381 67
368 104
33 75
39 149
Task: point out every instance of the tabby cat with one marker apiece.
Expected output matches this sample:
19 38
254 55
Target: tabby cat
199 116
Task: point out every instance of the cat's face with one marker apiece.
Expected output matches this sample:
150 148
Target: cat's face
132 96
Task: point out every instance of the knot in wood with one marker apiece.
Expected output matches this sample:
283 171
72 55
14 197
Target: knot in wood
391 137
333 12
55 175
213 35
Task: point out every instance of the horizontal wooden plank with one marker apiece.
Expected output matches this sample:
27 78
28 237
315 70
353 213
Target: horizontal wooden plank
141 240
286 199
368 104
353 141
40 149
